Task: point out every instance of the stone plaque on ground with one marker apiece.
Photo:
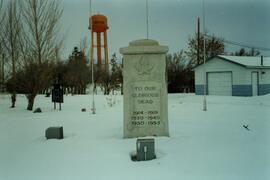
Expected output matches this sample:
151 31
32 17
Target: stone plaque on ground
145 89
54 133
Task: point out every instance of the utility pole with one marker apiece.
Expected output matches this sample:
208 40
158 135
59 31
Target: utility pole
198 41
204 87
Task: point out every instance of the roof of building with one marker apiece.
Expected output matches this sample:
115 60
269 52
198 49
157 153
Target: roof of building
248 61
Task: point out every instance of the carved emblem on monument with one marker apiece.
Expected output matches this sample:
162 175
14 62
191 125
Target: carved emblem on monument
144 67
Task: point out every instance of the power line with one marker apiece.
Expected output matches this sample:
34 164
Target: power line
239 44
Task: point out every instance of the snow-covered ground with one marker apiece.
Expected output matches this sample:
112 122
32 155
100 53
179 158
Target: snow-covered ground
210 145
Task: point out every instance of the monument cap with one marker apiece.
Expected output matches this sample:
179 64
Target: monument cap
144 46
144 42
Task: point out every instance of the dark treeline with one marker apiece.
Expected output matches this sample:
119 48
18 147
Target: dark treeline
75 75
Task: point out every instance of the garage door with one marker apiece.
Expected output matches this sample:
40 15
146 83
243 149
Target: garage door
220 83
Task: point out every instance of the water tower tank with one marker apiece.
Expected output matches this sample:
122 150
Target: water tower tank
99 28
99 23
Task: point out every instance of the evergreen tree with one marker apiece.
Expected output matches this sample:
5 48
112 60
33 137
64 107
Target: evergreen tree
179 73
116 74
77 74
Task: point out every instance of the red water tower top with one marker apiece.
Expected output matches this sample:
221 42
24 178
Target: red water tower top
99 23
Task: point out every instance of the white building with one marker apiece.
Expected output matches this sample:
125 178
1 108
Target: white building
234 76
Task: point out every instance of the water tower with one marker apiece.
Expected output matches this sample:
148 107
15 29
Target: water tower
99 26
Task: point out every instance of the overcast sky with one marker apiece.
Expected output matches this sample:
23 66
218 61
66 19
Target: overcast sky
171 22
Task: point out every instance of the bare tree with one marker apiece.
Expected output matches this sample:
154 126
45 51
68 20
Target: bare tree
84 46
243 52
2 55
11 33
2 14
213 46
41 19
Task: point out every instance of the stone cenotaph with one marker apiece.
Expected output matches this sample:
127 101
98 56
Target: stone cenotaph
145 89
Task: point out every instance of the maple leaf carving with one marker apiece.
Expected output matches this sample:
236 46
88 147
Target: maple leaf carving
144 67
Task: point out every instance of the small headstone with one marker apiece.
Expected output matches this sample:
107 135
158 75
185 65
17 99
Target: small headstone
38 110
54 133
145 149
83 109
